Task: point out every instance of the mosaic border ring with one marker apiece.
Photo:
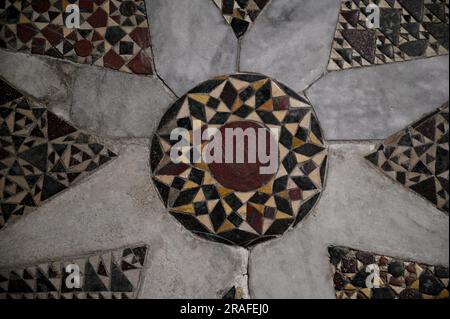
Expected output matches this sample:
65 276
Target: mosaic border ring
206 207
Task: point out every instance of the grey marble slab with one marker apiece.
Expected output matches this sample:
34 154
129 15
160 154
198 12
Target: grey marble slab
191 42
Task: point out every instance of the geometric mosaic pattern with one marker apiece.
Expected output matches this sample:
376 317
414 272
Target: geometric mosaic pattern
396 279
418 157
241 207
113 33
409 29
241 14
40 154
109 275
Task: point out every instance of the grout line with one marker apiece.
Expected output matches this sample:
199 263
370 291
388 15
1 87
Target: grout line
165 85
354 141
248 274
238 56
320 77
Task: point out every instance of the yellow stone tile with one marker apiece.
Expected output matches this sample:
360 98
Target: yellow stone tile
313 138
297 142
281 215
237 104
259 84
223 192
190 184
227 226
443 294
266 189
185 209
415 285
268 106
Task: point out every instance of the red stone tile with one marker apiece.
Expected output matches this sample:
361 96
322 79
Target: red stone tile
40 6
38 46
141 64
254 218
295 194
172 169
53 33
98 19
26 31
112 8
141 36
73 36
96 37
281 103
86 5
112 60
242 177
83 48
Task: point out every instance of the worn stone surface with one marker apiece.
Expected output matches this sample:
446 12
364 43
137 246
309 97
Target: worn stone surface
119 207
375 102
117 104
360 208
45 79
191 42
291 41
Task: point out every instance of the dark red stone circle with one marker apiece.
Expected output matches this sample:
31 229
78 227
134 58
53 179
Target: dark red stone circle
83 48
243 177
40 6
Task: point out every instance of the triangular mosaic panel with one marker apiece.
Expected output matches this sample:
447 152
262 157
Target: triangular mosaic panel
228 214
112 33
108 275
418 157
394 279
241 14
409 29
40 154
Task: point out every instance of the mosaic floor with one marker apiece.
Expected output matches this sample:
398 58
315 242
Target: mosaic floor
397 279
235 203
417 157
111 33
195 229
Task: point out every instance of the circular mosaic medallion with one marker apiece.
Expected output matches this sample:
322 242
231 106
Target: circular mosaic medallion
239 159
